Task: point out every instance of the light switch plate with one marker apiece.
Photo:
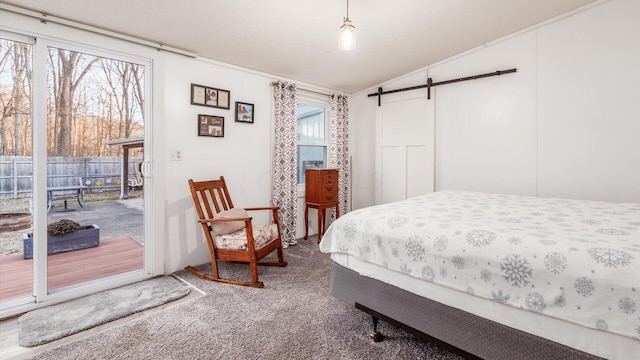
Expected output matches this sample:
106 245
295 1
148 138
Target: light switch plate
175 155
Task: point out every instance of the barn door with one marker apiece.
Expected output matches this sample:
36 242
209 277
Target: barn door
404 147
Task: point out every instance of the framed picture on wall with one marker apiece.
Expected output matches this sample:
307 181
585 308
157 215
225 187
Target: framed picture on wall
209 125
244 112
209 96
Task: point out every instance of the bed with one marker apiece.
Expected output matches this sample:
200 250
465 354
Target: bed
496 276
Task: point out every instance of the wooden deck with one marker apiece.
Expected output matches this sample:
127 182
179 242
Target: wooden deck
111 257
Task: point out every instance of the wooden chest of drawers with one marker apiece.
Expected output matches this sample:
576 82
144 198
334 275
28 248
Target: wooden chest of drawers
321 186
321 193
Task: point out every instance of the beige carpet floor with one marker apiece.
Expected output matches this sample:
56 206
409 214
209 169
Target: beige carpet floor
293 317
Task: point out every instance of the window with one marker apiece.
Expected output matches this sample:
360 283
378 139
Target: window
312 139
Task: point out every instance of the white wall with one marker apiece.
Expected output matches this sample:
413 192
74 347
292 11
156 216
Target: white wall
589 91
362 121
566 124
242 156
486 128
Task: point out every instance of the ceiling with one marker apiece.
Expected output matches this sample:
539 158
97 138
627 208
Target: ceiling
298 39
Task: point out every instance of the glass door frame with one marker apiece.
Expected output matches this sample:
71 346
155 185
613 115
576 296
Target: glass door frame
32 41
40 162
41 296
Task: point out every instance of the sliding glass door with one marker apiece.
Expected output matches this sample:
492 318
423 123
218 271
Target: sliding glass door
75 161
93 101
16 164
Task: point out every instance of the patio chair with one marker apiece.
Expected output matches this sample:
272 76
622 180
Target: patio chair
137 181
230 233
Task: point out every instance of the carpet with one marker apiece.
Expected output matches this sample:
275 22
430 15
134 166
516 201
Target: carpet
293 317
57 321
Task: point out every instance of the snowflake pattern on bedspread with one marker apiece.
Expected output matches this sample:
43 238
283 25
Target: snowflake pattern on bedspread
571 259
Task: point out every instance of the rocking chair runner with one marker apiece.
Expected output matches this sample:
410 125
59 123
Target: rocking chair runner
230 234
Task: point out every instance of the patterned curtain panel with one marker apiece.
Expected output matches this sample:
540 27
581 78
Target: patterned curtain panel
339 147
285 175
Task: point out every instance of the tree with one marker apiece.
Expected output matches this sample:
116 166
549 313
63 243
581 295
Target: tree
66 77
91 100
21 94
125 82
15 98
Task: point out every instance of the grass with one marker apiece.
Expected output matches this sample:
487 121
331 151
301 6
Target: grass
111 195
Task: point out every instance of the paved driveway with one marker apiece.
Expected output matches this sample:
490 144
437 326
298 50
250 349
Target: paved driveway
115 218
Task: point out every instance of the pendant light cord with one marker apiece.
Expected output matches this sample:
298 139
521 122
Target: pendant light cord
347 18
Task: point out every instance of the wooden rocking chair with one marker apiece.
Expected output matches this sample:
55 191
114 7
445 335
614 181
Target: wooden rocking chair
230 234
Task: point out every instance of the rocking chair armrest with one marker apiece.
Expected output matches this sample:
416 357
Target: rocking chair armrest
273 209
224 220
262 208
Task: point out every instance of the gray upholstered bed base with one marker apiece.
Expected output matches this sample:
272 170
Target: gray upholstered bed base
468 335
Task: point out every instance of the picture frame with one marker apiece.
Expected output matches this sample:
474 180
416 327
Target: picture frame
244 112
210 96
210 125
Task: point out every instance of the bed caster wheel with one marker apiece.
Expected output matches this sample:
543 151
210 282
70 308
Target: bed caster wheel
376 336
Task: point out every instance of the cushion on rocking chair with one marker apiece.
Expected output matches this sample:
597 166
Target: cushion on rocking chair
262 235
223 228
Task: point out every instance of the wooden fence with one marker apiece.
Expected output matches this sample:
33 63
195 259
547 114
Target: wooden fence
100 173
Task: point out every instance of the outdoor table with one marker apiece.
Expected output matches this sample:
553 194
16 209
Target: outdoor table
79 195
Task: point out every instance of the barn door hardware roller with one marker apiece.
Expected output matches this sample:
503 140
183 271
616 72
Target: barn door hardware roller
431 84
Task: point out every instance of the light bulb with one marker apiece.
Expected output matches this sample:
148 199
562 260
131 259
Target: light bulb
347 40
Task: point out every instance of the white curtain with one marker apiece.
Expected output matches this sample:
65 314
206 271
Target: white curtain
339 148
285 169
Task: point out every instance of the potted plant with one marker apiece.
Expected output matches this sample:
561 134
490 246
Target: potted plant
64 235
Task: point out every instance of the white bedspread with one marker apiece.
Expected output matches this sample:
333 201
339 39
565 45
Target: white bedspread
574 260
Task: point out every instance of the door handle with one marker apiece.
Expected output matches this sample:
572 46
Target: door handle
145 168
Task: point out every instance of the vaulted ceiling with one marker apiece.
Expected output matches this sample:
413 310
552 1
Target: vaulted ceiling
298 39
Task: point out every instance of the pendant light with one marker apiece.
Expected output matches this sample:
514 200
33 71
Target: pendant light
347 39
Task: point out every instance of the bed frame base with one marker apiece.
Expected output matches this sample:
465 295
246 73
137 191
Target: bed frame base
460 332
376 336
